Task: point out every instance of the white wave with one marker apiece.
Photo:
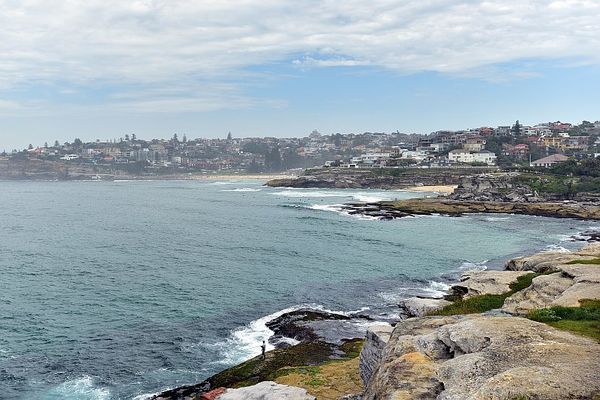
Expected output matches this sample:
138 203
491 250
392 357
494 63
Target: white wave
242 190
362 196
78 389
440 288
244 342
311 194
147 396
371 198
473 266
338 208
496 219
224 183
556 248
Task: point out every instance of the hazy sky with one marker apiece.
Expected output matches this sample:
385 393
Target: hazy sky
103 68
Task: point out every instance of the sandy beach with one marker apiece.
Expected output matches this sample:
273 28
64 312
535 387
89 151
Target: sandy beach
442 189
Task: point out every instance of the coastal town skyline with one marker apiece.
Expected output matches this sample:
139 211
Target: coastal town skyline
48 141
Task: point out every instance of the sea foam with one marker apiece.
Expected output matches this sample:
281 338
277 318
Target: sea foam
78 389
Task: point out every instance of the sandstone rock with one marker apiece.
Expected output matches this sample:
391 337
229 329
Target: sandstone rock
418 307
375 341
266 391
484 357
475 283
565 288
592 249
552 260
540 262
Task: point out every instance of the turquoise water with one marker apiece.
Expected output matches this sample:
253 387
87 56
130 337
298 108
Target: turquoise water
112 290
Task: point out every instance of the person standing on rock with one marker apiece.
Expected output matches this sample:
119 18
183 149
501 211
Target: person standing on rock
263 348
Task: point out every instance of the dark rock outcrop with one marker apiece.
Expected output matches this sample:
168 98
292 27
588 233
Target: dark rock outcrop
371 179
403 208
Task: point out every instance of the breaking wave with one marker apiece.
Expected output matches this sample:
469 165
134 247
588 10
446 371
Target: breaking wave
244 342
78 389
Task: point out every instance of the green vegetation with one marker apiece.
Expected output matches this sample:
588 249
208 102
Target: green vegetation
486 302
473 305
595 261
583 320
281 362
565 179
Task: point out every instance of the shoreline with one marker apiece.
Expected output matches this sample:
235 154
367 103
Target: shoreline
388 210
176 393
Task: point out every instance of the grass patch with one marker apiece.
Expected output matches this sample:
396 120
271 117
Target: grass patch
595 261
472 305
486 302
307 356
329 381
583 320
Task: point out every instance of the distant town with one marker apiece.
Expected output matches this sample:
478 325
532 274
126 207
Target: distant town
541 145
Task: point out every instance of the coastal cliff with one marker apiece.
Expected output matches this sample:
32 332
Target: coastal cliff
373 178
531 331
488 343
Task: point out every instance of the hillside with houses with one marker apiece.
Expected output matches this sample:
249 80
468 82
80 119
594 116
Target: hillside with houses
541 145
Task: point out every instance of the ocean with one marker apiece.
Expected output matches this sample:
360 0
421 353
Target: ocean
117 290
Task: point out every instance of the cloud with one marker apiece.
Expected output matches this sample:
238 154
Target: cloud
162 43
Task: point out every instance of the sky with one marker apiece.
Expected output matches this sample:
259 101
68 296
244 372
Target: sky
100 69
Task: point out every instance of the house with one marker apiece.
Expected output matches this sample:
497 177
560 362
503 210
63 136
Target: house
474 144
518 151
465 156
549 161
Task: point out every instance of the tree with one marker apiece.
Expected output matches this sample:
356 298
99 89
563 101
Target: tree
77 143
229 136
30 147
273 159
175 139
133 137
45 145
56 144
184 139
127 137
516 129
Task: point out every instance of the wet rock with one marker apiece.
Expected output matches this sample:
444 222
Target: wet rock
484 357
309 325
266 391
419 306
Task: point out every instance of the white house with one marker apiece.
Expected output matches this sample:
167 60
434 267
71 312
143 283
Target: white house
465 156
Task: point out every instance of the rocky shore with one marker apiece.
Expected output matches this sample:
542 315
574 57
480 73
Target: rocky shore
446 206
531 331
373 178
486 193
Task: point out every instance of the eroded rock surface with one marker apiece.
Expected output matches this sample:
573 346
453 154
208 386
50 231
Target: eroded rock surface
484 357
551 260
376 338
475 283
565 288
266 391
419 306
